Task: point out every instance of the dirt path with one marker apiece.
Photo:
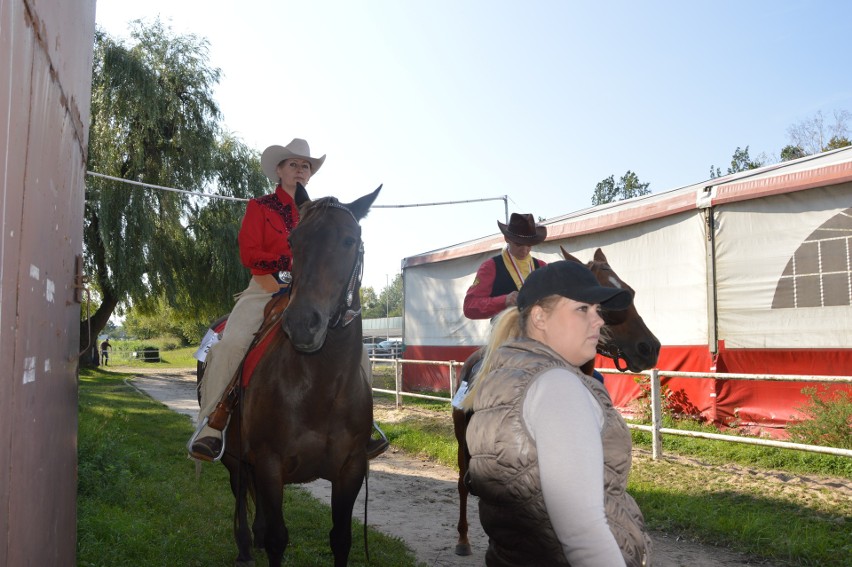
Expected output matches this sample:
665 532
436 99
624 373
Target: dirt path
416 500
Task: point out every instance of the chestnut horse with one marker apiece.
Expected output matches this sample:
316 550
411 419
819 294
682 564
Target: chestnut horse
308 410
624 338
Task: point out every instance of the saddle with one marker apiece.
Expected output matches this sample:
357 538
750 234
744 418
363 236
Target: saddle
272 314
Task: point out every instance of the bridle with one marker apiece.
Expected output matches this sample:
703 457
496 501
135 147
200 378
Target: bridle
615 354
345 314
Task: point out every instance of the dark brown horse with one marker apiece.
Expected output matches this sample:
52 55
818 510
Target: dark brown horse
624 338
308 411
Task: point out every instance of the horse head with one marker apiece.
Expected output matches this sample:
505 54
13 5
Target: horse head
624 337
328 256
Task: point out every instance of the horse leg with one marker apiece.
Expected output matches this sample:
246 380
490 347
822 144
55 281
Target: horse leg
344 491
460 427
269 487
240 477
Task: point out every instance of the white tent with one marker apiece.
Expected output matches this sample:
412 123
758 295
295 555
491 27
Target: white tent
744 273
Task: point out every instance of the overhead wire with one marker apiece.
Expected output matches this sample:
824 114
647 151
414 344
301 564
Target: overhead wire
503 198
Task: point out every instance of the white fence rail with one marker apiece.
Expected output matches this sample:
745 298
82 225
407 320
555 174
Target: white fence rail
656 428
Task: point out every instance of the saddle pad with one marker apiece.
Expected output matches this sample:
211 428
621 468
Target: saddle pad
270 326
254 355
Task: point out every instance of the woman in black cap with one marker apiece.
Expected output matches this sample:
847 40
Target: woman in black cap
550 454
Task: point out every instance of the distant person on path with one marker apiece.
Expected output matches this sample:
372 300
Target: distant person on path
105 348
499 278
550 455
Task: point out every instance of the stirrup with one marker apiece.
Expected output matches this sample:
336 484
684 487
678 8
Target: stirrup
195 435
379 429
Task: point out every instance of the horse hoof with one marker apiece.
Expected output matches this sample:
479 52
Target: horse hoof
463 549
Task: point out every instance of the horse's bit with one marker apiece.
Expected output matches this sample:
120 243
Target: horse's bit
616 355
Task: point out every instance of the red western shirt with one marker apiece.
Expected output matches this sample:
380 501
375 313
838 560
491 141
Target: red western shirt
264 248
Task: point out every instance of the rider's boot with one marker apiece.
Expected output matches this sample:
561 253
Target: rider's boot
207 448
208 445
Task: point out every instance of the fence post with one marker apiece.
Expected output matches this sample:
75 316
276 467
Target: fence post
656 416
398 382
452 377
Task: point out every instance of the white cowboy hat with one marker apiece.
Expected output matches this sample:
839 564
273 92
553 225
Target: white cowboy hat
298 148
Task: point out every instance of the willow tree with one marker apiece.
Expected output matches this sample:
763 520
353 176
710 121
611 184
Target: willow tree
154 120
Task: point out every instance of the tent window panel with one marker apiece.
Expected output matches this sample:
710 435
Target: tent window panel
835 289
807 258
808 292
784 292
833 256
819 274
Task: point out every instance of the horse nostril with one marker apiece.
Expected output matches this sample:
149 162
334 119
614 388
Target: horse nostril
315 321
643 349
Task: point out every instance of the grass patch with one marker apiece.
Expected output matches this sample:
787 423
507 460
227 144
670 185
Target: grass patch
764 521
140 502
181 357
720 453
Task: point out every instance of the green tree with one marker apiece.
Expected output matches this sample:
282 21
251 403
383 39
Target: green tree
837 142
629 186
387 304
154 120
370 308
791 152
740 161
391 298
605 192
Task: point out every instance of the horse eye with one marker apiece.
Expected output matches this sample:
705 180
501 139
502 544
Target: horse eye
349 241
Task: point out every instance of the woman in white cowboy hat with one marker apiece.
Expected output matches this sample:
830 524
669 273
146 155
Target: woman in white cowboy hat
498 279
265 251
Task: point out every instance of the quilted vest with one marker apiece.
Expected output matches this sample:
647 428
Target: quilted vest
511 505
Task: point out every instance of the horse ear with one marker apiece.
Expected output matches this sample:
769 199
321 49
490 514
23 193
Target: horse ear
361 207
568 256
599 256
301 195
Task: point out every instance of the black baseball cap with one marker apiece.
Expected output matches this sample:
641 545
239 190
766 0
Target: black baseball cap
574 281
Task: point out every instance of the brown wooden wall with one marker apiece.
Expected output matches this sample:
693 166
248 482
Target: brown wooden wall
45 86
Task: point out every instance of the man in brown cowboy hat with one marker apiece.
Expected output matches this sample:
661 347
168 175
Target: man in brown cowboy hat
498 279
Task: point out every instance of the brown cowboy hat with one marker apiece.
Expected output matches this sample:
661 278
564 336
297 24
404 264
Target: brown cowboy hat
522 230
298 148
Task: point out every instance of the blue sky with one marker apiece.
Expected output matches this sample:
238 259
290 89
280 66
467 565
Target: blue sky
469 99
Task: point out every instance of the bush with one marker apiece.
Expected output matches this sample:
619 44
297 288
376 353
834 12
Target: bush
829 420
675 405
